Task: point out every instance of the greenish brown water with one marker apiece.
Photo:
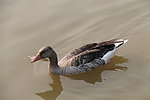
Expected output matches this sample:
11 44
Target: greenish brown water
27 25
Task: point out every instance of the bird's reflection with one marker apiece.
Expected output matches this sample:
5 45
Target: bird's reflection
89 77
56 89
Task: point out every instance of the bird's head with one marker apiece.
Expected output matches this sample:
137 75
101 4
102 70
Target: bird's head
44 52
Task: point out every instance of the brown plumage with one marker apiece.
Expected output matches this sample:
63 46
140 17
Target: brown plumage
80 60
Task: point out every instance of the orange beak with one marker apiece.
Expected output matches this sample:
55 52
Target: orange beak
36 58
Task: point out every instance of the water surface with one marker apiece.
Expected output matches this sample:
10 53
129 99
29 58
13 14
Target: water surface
27 25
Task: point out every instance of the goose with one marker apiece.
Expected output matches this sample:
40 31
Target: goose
82 59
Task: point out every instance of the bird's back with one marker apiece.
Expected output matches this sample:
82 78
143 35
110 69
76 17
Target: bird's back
88 53
89 56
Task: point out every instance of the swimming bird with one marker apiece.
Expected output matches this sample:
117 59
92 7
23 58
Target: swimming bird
82 59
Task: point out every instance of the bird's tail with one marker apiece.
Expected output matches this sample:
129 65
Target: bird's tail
119 42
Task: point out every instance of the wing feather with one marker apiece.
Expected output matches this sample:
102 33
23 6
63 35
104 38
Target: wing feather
88 53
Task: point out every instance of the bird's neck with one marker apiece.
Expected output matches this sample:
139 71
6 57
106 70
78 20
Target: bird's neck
53 64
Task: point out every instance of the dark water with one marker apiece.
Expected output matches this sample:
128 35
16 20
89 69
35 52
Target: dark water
27 25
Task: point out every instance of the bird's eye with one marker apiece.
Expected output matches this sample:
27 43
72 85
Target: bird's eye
43 51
